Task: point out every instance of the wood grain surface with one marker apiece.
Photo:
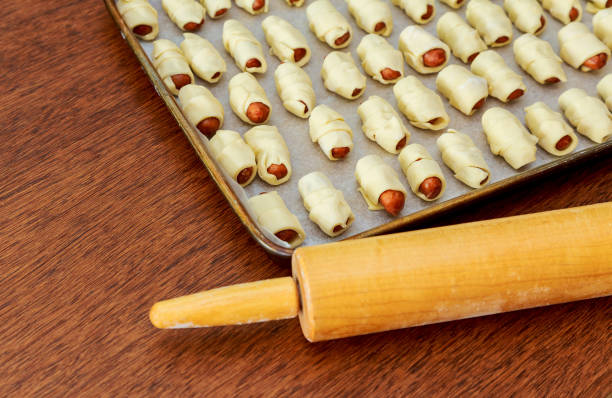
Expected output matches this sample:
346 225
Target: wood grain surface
105 209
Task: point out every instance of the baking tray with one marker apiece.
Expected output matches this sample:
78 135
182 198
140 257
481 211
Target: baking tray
295 130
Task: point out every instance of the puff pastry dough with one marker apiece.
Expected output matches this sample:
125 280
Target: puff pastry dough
382 124
295 3
555 135
602 26
461 155
464 90
374 177
508 137
420 47
199 105
463 40
140 17
203 58
526 15
418 166
373 16
604 89
565 11
594 6
244 90
328 25
588 114
271 153
422 106
248 6
578 44
186 14
453 3
504 84
171 65
234 155
490 21
240 43
341 75
216 8
328 128
270 211
294 87
380 60
325 204
537 58
285 41
420 11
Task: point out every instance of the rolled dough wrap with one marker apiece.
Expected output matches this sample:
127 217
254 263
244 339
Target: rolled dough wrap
373 16
247 5
295 3
550 128
588 114
463 40
243 91
453 3
418 165
270 149
214 7
139 16
463 89
420 11
374 177
203 58
537 58
325 204
284 39
560 9
341 75
527 15
240 43
508 137
199 104
327 24
422 106
328 128
381 123
233 154
604 89
490 21
272 214
578 44
465 160
380 60
602 26
594 6
415 42
183 12
502 81
169 61
294 87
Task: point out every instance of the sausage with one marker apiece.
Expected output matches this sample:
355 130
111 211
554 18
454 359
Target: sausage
564 142
431 187
552 80
216 75
516 94
258 4
180 80
337 228
387 74
356 92
502 39
220 12
379 26
191 26
400 144
472 57
596 62
287 235
479 104
142 30
341 152
278 170
573 14
244 175
258 112
392 201
305 107
342 39
543 23
209 127
429 12
436 57
253 63
298 54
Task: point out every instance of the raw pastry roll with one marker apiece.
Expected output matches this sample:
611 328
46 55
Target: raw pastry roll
463 40
504 83
294 87
423 173
328 24
240 43
380 60
490 21
248 99
537 58
379 185
273 215
420 11
202 109
186 14
555 135
295 3
526 15
588 114
422 106
234 155
424 52
271 152
582 49
325 204
140 17
565 11
381 123
604 89
373 16
602 26
465 160
171 65
253 7
203 58
328 128
508 137
216 8
464 90
594 6
341 75
453 3
285 41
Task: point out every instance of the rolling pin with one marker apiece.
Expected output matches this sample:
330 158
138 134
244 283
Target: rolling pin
415 278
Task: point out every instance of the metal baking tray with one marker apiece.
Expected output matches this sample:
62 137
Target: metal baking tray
309 157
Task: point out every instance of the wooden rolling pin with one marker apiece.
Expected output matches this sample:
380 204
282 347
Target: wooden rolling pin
415 278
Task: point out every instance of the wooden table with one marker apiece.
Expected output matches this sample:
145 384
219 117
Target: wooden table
105 209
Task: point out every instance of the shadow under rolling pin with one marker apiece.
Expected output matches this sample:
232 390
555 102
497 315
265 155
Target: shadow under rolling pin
415 278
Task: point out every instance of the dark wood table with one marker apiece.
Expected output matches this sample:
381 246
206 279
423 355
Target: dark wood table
105 209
